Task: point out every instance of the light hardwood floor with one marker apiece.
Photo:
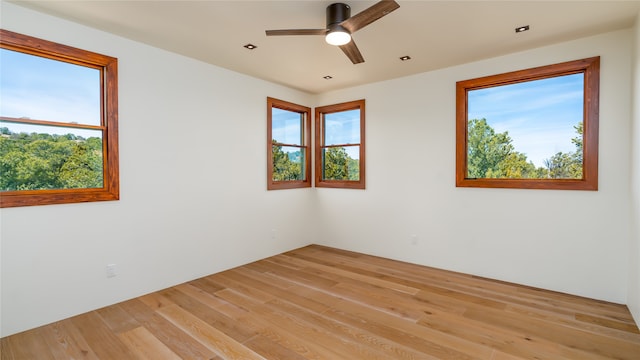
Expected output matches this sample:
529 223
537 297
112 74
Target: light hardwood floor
323 303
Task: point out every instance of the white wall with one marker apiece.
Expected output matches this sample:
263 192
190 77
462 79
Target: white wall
570 241
634 248
193 187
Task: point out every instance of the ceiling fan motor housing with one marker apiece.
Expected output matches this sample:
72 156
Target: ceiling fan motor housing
337 13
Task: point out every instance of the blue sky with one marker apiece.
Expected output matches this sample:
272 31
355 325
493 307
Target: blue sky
44 89
539 115
286 126
343 128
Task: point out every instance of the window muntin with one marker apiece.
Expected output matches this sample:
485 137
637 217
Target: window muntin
288 143
340 145
535 128
58 123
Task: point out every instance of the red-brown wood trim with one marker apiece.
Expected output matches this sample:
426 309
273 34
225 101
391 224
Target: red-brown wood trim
319 145
109 122
591 69
290 184
50 123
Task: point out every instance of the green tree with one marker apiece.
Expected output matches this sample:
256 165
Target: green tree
83 169
283 167
338 165
568 165
516 166
354 169
558 165
44 161
492 155
577 141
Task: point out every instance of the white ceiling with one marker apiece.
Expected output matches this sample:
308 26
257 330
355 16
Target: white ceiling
435 34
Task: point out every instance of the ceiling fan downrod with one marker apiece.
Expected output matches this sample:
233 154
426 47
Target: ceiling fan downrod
337 13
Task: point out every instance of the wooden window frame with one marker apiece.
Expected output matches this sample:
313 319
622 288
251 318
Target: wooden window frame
306 113
319 145
108 114
590 67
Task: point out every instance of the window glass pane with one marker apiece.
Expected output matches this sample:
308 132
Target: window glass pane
286 126
288 163
530 129
43 89
341 163
34 157
342 127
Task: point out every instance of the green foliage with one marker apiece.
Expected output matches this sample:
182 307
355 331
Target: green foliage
44 161
565 165
568 165
287 166
338 165
492 155
577 141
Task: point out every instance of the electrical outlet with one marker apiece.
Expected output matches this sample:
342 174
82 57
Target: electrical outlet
111 270
414 239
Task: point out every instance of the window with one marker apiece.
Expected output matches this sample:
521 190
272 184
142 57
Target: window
340 145
530 129
288 145
58 123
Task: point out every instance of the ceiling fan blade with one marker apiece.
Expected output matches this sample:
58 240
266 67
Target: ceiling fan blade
297 32
369 15
352 52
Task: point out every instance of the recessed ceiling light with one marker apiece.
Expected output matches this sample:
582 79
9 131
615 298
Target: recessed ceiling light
250 46
405 58
520 29
328 77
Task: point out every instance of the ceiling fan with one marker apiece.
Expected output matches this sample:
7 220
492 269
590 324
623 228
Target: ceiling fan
340 26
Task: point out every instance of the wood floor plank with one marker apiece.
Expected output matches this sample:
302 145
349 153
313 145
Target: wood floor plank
328 334
626 333
207 335
206 285
569 337
272 350
402 332
66 342
142 343
520 345
355 273
102 340
608 323
318 302
26 345
261 281
211 300
175 339
357 334
209 315
155 300
272 329
298 276
117 319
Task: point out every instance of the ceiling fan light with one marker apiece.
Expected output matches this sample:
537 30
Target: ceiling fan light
338 36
